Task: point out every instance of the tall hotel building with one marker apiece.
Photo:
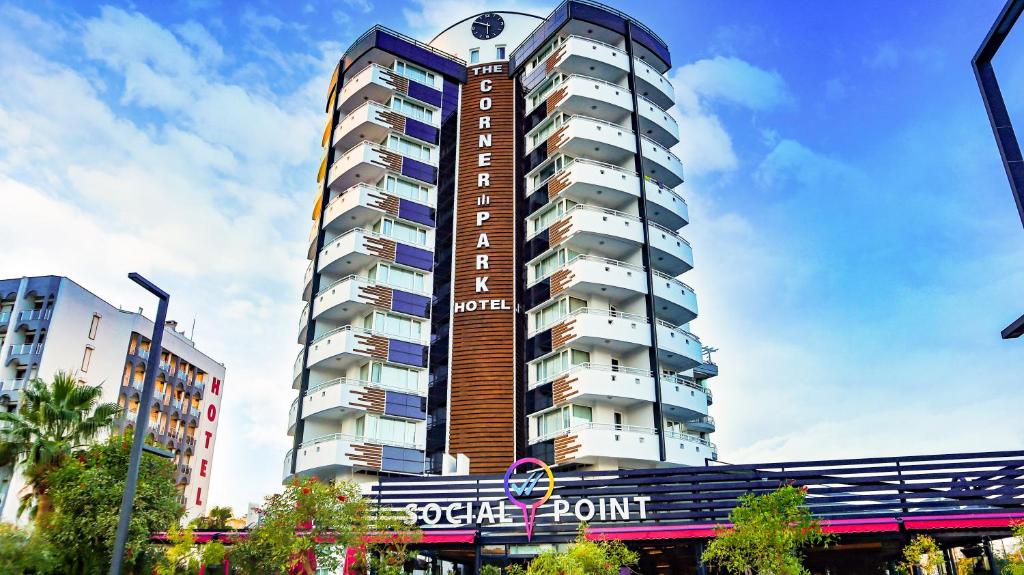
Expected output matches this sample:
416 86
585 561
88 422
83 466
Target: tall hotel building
494 256
50 324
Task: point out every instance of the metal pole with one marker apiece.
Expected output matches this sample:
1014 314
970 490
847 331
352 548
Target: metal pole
152 365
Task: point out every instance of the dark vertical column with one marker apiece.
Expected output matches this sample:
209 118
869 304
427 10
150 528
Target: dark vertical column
990 556
1002 129
315 282
440 308
521 212
699 550
646 249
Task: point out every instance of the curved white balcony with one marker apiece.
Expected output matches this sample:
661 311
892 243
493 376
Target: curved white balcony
367 122
652 85
307 281
355 249
702 424
678 349
588 275
666 207
297 371
585 137
676 302
615 385
683 398
657 124
364 162
358 207
661 164
373 83
615 331
586 442
340 348
337 452
303 320
589 229
586 57
348 298
670 252
593 97
334 399
592 182
685 449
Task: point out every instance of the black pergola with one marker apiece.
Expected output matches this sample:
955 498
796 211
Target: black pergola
1009 149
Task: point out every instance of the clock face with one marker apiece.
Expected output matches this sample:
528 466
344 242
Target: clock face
488 26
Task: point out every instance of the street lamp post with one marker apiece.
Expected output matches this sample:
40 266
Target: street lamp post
152 365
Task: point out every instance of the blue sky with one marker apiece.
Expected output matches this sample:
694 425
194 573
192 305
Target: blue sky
857 248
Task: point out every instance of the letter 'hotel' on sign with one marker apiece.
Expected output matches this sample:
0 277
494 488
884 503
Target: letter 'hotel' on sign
494 257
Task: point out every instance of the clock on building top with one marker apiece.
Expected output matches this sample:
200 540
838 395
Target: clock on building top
487 26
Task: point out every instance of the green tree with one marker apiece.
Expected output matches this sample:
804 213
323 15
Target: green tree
181 554
87 494
767 535
583 557
23 553
54 419
923 552
306 527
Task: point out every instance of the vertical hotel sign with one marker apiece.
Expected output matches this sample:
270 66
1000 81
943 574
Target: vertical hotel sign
482 391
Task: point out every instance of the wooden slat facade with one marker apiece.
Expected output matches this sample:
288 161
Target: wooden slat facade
482 388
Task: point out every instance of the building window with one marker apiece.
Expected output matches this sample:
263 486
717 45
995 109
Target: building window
541 135
563 418
552 214
373 427
412 110
413 73
394 325
555 311
401 231
390 375
474 56
397 277
409 148
500 53
94 326
552 262
86 358
406 189
540 93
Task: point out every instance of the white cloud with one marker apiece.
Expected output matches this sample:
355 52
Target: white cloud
706 147
196 181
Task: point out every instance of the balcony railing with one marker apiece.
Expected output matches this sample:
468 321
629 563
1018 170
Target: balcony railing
678 330
362 438
31 314
672 233
689 437
705 419
13 384
593 312
569 165
587 366
26 348
589 258
591 208
674 280
369 281
682 380
355 329
594 425
361 383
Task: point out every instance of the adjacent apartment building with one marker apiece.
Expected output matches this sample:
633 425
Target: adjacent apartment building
50 323
495 255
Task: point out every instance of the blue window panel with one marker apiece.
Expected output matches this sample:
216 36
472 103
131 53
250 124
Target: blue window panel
421 130
412 304
415 257
416 212
405 405
419 170
450 99
407 353
401 460
643 38
424 93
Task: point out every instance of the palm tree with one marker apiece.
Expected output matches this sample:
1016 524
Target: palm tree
53 420
219 517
